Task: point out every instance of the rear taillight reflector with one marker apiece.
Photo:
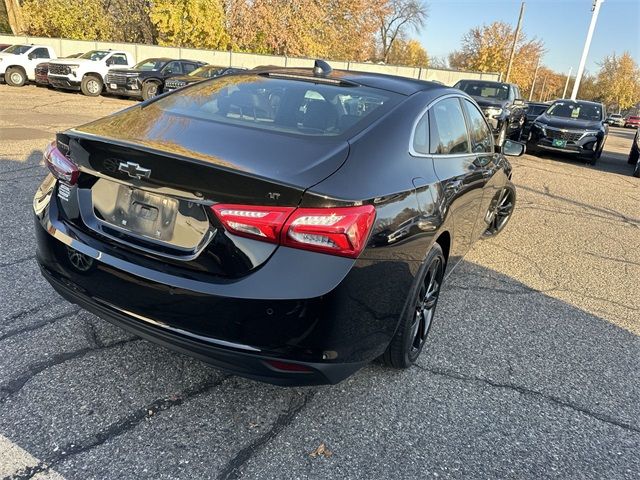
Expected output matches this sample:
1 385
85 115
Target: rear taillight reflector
338 231
288 366
60 166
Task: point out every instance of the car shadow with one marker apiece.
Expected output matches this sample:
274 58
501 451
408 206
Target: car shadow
82 396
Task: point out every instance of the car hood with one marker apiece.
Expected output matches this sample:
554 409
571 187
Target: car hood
489 102
569 123
73 61
132 70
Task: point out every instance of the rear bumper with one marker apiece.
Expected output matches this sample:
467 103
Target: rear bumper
330 314
247 364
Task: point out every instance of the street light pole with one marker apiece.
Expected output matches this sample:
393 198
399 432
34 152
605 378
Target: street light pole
544 84
515 42
535 75
587 44
566 85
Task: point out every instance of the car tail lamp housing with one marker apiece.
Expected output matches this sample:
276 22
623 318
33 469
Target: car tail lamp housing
60 165
341 231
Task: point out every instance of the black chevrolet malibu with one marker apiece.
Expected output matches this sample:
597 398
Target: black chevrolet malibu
287 225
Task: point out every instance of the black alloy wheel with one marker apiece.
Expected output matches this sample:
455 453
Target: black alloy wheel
150 90
415 325
500 211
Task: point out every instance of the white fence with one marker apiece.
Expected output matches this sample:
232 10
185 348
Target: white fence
64 47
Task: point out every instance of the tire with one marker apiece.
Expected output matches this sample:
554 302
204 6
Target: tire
500 211
593 159
414 327
150 90
91 85
636 171
15 76
633 156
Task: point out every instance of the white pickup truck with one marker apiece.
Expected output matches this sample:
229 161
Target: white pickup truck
88 72
18 62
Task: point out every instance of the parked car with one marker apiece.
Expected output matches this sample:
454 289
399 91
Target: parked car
501 103
147 79
634 154
534 110
4 45
253 223
42 71
198 75
615 119
632 121
574 127
18 62
88 72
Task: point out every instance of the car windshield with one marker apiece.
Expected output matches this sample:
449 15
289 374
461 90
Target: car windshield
17 49
150 65
536 109
615 115
283 105
576 110
207 71
498 91
95 55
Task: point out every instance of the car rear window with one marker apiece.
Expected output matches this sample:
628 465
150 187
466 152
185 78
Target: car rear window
285 105
498 91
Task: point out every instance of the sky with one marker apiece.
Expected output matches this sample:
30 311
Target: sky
561 24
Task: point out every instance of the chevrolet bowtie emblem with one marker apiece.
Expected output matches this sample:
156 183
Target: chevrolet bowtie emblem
134 170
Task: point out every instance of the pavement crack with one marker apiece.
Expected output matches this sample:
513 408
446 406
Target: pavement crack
120 427
12 387
531 393
29 311
35 326
231 470
15 262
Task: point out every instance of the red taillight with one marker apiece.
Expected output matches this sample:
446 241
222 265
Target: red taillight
262 223
61 167
338 231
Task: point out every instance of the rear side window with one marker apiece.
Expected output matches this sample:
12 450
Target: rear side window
447 128
119 59
40 53
285 105
479 133
188 67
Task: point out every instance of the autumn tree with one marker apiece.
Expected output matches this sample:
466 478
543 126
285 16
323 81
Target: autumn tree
190 23
79 20
396 18
131 21
619 81
487 48
410 53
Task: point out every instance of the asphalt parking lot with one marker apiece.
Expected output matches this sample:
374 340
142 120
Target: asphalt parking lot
532 369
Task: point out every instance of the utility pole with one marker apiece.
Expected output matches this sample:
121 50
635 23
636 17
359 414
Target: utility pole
515 42
592 26
544 84
535 75
566 85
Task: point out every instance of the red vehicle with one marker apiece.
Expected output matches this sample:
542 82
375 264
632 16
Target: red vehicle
632 121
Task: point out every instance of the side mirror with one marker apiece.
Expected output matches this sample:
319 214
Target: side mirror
109 62
519 102
512 148
31 56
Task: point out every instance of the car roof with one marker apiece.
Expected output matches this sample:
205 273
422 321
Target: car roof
480 80
598 104
393 83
